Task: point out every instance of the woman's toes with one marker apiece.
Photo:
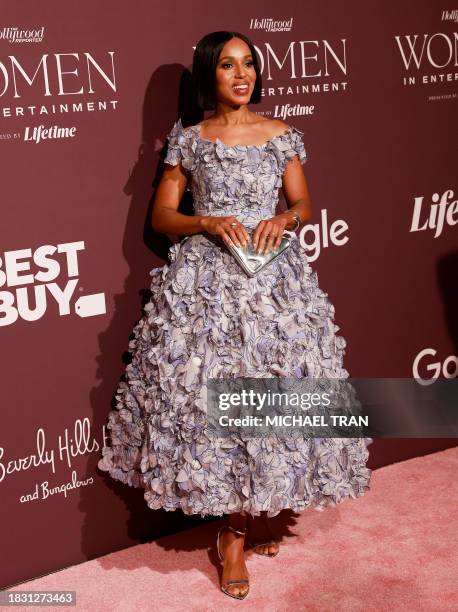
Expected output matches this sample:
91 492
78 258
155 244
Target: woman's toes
273 549
267 549
235 590
238 589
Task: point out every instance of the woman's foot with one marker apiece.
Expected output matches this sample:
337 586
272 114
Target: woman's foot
231 552
260 531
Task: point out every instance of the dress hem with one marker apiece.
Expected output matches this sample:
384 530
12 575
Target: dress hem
318 502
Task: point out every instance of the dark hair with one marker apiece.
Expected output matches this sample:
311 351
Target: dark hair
204 64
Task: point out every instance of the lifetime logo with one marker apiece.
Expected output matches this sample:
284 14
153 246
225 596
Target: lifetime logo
16 274
440 212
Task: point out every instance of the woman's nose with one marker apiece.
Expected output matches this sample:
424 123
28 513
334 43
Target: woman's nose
240 72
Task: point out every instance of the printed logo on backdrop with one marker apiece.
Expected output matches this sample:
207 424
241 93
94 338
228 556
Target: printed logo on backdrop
16 35
430 58
32 280
267 24
450 16
53 85
442 211
427 367
73 442
296 68
316 236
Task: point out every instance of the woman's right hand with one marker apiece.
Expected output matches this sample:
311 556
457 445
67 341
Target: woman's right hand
221 226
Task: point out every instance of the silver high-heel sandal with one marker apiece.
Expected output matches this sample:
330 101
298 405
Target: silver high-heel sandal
231 582
255 545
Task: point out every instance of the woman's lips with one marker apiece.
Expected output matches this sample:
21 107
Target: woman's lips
240 90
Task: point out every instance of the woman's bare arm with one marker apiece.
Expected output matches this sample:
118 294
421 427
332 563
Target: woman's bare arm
295 190
165 217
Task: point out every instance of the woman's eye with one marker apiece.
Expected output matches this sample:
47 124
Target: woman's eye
249 63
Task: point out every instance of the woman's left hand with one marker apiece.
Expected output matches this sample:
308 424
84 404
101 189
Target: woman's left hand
268 234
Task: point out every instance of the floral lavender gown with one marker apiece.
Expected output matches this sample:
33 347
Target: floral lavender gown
207 319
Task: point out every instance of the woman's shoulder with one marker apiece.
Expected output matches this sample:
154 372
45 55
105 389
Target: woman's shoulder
281 132
276 127
179 147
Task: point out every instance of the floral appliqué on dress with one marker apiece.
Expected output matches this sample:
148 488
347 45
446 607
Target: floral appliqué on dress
207 319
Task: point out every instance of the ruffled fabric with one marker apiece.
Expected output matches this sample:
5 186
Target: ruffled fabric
207 319
180 147
243 180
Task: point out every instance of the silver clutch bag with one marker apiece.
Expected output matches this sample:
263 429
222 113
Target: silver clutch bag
252 262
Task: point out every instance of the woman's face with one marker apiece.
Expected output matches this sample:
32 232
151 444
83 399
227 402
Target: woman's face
235 74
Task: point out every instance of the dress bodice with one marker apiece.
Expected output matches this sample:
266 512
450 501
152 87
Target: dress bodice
239 180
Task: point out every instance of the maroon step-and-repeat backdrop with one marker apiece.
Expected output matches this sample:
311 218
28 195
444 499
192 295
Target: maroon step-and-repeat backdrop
88 92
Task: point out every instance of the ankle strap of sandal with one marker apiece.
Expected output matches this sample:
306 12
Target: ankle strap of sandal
236 530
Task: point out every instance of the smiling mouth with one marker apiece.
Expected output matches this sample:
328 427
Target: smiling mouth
240 89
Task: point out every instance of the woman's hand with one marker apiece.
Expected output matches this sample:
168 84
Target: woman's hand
221 226
268 233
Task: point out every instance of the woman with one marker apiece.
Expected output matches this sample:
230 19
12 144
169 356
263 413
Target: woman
207 318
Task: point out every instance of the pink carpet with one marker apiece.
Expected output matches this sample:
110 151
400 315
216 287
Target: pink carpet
394 548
